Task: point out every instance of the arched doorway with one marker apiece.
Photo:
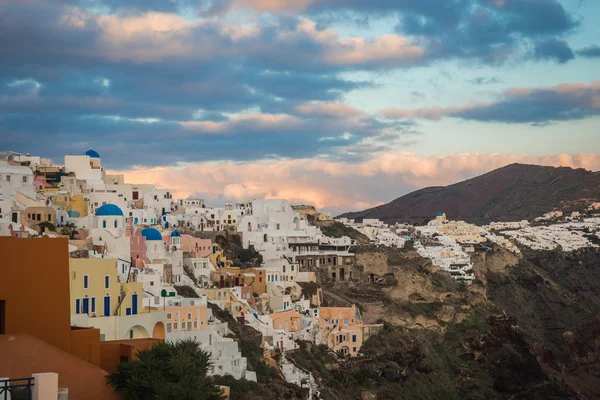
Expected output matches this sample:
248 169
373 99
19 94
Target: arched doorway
137 332
159 331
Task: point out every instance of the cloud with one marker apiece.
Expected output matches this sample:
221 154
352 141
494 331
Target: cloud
313 129
481 80
537 105
336 186
589 51
488 30
554 49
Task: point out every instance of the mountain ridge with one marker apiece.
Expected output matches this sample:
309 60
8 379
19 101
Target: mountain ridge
513 192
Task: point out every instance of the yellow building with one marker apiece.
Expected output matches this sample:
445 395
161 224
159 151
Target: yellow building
218 259
76 206
98 299
97 292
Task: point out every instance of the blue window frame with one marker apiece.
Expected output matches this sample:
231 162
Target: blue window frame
86 306
128 311
134 303
77 306
104 224
93 304
107 306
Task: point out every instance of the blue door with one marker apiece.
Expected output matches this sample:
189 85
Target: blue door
86 306
134 304
107 306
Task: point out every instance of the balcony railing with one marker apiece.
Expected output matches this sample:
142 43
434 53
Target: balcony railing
16 389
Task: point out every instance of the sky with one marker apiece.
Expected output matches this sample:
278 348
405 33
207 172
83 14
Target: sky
343 104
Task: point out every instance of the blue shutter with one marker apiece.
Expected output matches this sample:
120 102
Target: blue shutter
93 304
134 304
86 306
77 306
107 306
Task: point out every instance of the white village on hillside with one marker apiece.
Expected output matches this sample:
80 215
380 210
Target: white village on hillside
145 266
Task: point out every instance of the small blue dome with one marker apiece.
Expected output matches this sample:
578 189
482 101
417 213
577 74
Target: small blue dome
109 210
440 214
92 153
175 234
151 234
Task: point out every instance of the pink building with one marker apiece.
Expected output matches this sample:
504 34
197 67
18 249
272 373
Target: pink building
199 247
40 182
137 242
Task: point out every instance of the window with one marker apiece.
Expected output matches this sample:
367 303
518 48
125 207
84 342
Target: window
354 349
284 269
292 268
189 316
169 316
195 324
77 306
106 282
115 223
8 178
24 179
345 321
168 327
354 339
151 283
104 224
175 326
189 326
93 304
102 337
86 281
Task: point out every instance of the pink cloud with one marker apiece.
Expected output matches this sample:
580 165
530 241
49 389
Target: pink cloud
337 186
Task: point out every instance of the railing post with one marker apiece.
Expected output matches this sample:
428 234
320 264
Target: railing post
4 389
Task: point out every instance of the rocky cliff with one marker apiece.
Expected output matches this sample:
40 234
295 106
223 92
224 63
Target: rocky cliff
527 328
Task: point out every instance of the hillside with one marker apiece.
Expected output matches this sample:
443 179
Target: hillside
511 193
528 329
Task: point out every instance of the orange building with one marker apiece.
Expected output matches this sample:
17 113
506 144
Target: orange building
289 321
231 276
35 322
187 318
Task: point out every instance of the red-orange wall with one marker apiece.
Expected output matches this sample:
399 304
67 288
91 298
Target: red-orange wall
34 282
85 344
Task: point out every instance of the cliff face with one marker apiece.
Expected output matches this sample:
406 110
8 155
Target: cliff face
527 328
511 193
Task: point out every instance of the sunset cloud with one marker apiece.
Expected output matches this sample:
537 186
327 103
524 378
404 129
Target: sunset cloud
336 186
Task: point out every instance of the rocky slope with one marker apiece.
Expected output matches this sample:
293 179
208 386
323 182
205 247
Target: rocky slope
510 193
528 328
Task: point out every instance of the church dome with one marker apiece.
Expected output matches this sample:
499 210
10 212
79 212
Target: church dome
175 233
109 210
92 153
151 234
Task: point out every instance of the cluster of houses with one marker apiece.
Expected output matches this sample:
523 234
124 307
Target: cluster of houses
143 265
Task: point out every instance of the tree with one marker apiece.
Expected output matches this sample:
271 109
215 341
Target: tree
69 229
46 226
167 371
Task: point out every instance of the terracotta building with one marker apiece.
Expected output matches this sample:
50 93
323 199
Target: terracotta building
35 328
